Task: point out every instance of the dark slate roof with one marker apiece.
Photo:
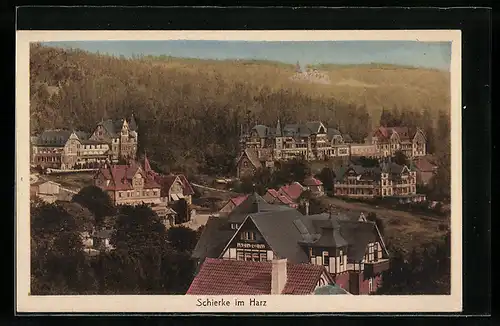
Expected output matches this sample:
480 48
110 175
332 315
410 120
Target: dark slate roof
55 137
278 131
133 124
281 234
313 126
330 235
320 230
358 235
113 127
333 132
82 135
392 168
252 156
254 203
372 173
262 131
347 138
216 234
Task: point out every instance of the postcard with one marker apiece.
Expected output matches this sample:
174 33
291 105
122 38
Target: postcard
238 171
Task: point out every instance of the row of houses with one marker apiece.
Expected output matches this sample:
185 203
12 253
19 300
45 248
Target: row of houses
349 247
387 180
313 140
67 149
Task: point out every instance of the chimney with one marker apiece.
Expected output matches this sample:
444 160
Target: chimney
278 275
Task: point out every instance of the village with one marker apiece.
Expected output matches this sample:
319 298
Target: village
317 232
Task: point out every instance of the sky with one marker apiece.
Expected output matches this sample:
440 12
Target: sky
409 53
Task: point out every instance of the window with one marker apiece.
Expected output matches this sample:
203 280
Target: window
247 235
341 257
325 258
375 251
263 256
370 285
248 256
120 194
255 256
245 164
240 255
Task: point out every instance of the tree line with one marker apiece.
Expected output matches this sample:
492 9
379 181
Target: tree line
189 118
147 258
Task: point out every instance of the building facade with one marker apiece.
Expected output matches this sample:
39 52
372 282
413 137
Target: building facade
128 185
67 150
120 135
389 180
389 140
315 141
350 248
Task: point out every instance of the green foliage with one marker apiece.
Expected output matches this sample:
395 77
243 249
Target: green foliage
424 272
58 264
400 158
327 177
96 200
182 239
137 229
190 111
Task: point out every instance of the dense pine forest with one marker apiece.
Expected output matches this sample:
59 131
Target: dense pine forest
190 111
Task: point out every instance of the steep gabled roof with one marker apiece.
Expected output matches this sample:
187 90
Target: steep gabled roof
293 190
262 131
313 126
252 157
120 177
281 234
133 124
213 239
404 133
332 132
254 203
423 164
238 200
312 181
237 277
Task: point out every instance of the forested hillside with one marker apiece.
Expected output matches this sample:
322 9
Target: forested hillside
190 111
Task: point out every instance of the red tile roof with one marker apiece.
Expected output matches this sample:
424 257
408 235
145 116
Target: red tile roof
238 200
404 133
311 181
282 197
238 277
120 177
423 164
293 190
168 180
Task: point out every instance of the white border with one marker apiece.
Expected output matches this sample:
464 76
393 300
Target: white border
186 304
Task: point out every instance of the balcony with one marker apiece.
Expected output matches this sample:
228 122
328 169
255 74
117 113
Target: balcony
376 267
